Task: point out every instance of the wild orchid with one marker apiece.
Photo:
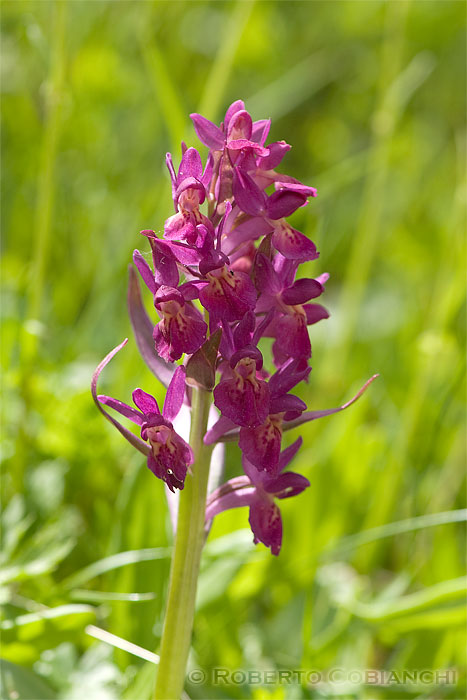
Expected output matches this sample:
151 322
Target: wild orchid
221 282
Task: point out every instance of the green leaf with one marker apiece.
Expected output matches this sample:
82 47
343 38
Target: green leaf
44 550
63 616
396 528
22 684
107 597
115 561
24 637
432 619
443 592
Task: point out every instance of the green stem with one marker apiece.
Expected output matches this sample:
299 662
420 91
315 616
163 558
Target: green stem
178 623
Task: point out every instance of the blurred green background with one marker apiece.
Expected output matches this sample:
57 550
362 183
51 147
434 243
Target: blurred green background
371 95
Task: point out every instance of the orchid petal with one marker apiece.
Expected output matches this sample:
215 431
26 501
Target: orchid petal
145 271
191 183
222 426
234 484
301 291
127 434
285 403
255 476
266 524
235 499
289 453
247 194
207 174
261 445
190 290
288 376
287 485
292 335
237 106
175 394
165 265
244 330
314 415
239 144
293 244
249 230
145 402
207 132
297 187
265 277
190 165
241 124
122 408
315 313
260 131
277 151
244 404
283 203
173 177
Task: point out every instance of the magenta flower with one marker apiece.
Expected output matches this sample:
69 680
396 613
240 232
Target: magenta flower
181 328
168 454
242 396
189 192
261 444
228 295
273 209
277 289
237 132
259 491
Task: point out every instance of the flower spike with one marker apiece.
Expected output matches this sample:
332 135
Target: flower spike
224 276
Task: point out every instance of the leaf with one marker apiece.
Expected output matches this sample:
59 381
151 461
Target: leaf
43 629
201 367
396 528
108 597
142 687
22 684
44 550
143 329
431 619
120 643
439 593
115 561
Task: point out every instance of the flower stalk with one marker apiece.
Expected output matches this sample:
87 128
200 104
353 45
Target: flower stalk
189 541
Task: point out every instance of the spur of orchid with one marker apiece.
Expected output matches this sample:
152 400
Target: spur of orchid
222 280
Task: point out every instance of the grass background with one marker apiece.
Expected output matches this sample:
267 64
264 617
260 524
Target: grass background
372 97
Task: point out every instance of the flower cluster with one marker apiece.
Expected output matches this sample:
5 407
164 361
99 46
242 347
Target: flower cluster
229 272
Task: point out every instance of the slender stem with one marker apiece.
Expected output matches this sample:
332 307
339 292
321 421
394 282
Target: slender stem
178 623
